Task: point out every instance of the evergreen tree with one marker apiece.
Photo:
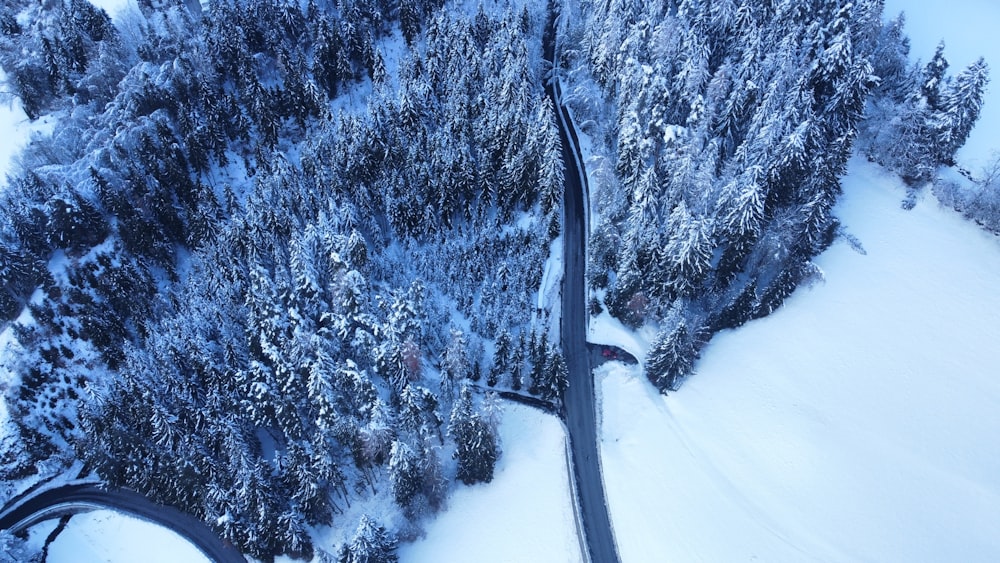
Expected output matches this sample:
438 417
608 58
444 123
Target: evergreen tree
890 62
933 79
555 376
404 473
433 482
475 440
418 411
959 106
539 349
455 364
501 359
371 544
551 165
517 364
671 356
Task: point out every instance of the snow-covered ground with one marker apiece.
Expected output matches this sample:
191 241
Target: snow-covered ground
525 514
13 125
108 536
857 423
968 28
112 7
16 130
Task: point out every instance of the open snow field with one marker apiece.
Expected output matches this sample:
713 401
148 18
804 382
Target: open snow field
525 514
104 535
857 423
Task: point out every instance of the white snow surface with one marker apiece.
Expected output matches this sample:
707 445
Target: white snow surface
968 28
549 296
16 130
859 422
111 7
609 331
525 514
110 537
13 124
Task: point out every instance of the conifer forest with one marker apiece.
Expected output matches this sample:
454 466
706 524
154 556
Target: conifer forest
277 258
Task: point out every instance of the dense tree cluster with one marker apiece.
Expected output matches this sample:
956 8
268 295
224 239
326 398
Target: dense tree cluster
732 122
60 46
241 300
468 132
148 111
918 117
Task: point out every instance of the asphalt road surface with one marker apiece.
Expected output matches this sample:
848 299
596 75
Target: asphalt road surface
579 403
82 497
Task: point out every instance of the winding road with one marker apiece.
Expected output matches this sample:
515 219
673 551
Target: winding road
74 498
578 402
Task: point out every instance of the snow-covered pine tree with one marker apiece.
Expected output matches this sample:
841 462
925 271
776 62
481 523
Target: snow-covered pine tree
501 359
890 61
551 165
371 543
671 356
434 485
960 104
517 363
404 473
418 411
556 376
933 80
539 347
475 440
686 256
455 364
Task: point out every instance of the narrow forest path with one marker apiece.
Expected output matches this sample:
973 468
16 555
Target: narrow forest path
579 401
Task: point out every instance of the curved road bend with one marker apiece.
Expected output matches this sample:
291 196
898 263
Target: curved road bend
579 402
83 497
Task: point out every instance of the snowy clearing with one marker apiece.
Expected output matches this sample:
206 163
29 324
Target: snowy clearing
112 7
525 514
17 130
609 331
104 535
13 123
857 423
